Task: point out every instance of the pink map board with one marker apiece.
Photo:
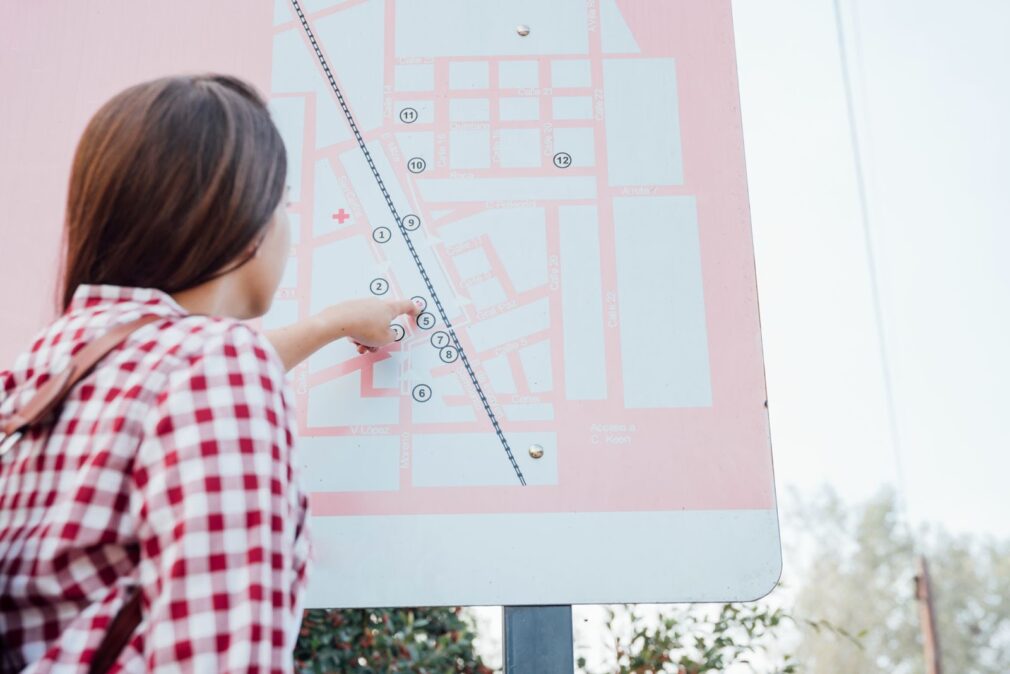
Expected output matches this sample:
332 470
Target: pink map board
561 185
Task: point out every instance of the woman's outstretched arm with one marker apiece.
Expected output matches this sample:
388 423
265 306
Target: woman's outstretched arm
365 321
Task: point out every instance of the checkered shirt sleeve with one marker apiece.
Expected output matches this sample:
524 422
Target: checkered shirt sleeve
220 519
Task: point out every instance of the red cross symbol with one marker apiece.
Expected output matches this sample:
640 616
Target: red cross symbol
341 215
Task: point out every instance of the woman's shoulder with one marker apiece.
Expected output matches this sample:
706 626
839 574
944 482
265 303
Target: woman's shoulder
204 360
220 342
177 347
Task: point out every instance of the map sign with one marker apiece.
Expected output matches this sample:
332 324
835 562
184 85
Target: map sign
578 413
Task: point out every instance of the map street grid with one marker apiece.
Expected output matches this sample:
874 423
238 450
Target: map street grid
577 201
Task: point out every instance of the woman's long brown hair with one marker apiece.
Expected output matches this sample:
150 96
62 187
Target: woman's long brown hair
172 184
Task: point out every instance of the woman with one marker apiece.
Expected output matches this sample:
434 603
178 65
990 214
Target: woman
170 467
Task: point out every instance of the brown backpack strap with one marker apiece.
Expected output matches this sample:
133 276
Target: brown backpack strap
51 394
117 636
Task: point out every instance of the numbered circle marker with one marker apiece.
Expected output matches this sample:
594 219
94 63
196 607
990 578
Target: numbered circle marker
379 286
449 354
382 234
440 340
425 321
411 222
408 115
421 303
398 332
562 160
421 393
416 164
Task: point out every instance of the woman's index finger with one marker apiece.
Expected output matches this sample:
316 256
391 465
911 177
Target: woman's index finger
408 307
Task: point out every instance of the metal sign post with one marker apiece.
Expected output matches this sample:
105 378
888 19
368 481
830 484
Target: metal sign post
538 639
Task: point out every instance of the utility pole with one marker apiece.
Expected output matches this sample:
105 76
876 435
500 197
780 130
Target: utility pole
927 616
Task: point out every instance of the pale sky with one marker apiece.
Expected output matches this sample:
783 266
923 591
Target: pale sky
933 106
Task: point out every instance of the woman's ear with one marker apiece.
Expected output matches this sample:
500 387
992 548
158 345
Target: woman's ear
256 245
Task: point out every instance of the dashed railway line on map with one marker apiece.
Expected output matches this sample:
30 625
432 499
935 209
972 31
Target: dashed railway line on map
421 392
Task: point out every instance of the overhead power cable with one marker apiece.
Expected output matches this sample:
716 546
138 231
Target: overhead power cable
871 261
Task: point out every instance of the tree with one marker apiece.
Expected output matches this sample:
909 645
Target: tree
697 640
859 574
381 641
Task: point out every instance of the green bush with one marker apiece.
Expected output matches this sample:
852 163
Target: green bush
381 641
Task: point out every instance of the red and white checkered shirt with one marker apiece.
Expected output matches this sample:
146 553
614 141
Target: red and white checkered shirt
170 469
